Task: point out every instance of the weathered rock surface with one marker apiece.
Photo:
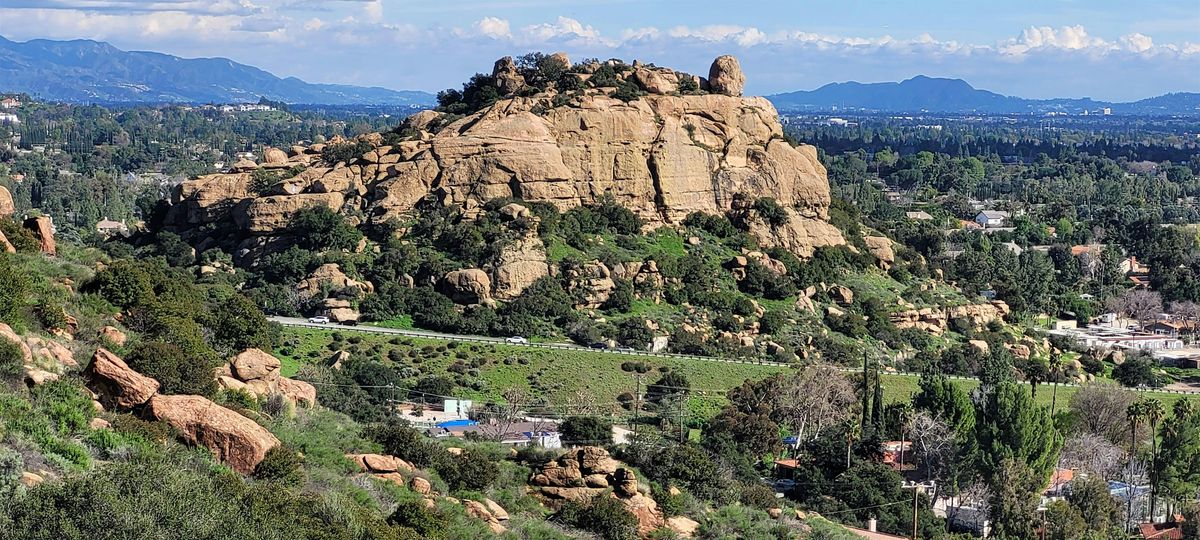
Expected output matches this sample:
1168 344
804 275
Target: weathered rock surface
116 384
520 264
331 275
7 208
7 334
663 156
114 335
467 286
43 230
881 248
936 320
5 245
233 439
583 473
255 364
725 76
380 463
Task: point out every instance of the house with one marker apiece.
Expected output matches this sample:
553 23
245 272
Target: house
1058 482
10 103
9 118
992 218
871 533
514 434
1014 248
919 215
898 455
967 224
1171 530
109 228
1172 328
1130 265
1064 324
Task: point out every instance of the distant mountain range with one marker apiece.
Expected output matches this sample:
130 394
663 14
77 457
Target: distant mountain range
931 94
95 72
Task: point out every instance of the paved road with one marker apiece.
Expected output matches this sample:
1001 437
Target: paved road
303 323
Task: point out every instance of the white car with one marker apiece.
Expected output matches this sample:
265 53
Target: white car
517 340
320 319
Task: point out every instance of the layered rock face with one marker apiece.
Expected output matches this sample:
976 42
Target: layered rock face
663 156
936 320
586 472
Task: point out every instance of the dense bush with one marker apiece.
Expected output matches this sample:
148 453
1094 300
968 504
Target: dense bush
176 371
586 430
321 228
345 152
603 516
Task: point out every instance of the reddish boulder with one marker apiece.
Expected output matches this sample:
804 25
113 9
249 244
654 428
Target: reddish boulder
298 391
233 439
253 364
43 229
7 208
114 336
7 334
116 384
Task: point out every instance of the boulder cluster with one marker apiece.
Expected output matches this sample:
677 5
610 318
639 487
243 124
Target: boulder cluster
43 360
232 438
583 473
935 320
402 473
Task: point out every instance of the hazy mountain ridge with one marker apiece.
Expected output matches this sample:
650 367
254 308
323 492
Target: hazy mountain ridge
91 71
933 94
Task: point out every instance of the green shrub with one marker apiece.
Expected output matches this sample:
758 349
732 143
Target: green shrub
282 465
176 372
12 359
14 284
603 515
412 514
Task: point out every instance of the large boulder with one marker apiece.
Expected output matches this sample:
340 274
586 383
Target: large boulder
520 264
43 230
298 391
468 286
331 275
113 335
233 439
725 76
881 248
253 364
274 156
7 334
7 208
508 79
116 384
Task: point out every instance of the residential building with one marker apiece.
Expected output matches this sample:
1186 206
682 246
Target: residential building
919 215
992 218
9 118
10 103
109 228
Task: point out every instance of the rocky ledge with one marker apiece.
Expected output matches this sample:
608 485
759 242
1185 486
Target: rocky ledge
676 144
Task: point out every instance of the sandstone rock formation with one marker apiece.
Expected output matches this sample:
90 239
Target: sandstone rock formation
592 283
257 373
43 230
380 463
881 248
936 320
583 473
725 76
233 439
467 286
7 208
331 275
662 155
5 245
116 384
113 335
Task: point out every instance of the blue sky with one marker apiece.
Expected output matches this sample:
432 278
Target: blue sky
1099 48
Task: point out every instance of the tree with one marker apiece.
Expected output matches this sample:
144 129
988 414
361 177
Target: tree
1179 462
320 228
237 324
1063 521
1099 408
670 384
1139 304
1137 371
124 284
1152 411
603 515
1014 500
1098 509
1009 426
176 371
586 430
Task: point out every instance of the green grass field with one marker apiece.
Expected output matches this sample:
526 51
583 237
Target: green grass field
562 376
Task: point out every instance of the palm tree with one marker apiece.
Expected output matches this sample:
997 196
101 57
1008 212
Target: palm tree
1153 412
1056 366
1134 413
852 434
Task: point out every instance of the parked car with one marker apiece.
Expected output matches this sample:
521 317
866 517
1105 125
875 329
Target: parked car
517 340
319 319
348 322
598 345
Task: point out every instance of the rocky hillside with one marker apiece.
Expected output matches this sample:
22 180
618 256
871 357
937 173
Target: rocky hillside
659 142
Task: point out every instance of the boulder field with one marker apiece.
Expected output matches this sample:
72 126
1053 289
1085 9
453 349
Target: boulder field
664 155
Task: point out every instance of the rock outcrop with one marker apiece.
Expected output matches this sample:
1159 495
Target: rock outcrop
7 208
725 76
936 320
663 156
233 439
880 247
43 230
467 286
257 373
583 473
116 384
331 275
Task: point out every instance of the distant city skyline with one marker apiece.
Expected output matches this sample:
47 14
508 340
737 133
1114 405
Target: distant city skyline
1105 49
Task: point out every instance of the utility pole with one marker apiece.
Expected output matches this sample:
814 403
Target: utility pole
682 397
915 520
637 401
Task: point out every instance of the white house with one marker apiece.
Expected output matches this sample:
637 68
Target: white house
992 218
